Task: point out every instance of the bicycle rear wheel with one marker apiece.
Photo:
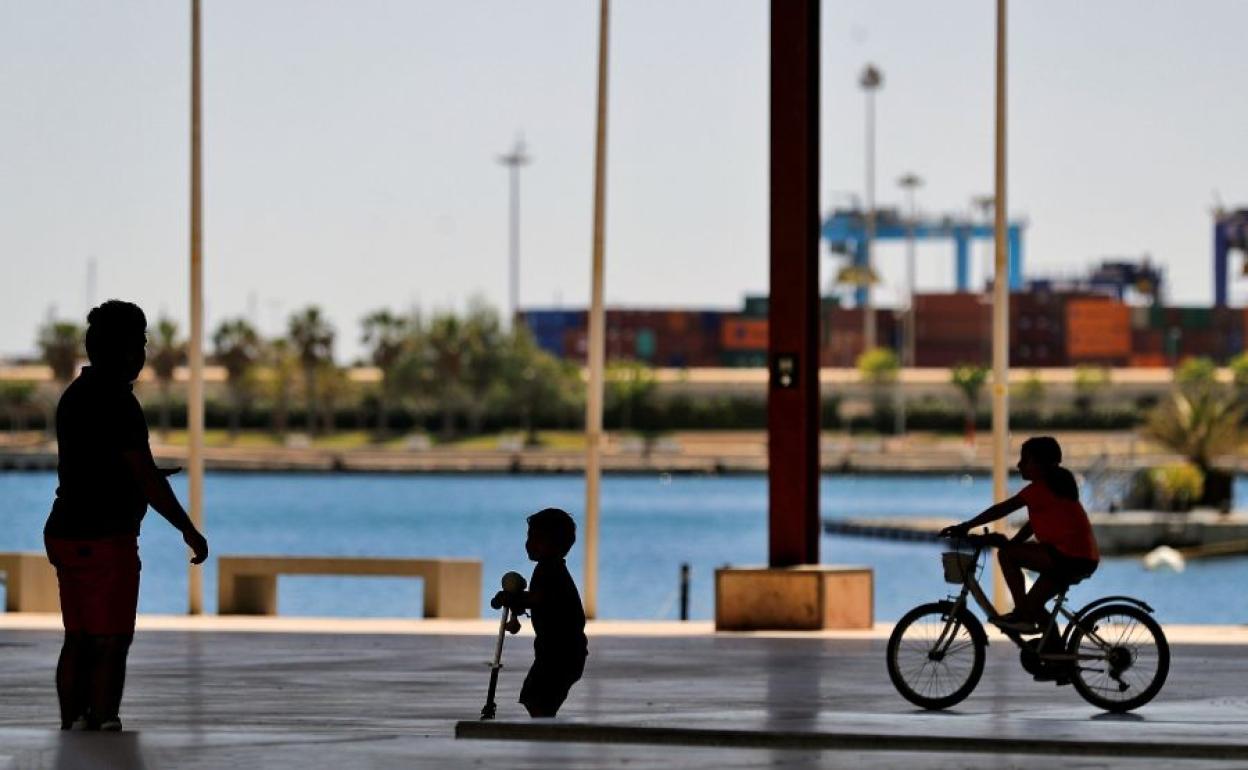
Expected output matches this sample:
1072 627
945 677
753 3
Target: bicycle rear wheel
935 660
1123 657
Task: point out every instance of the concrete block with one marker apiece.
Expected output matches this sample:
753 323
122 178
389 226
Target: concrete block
30 583
804 598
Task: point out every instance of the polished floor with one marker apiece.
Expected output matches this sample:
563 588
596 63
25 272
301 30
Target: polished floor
229 699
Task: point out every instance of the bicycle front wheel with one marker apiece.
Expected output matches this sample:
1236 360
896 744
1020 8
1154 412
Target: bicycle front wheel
1121 657
935 659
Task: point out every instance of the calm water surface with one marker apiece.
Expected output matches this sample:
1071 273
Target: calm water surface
649 526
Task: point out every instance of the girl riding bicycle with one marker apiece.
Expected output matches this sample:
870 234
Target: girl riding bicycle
1064 551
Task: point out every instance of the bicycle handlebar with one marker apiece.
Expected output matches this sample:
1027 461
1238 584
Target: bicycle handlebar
986 540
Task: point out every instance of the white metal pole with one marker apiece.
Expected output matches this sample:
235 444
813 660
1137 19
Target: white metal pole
513 161
868 308
513 289
1000 306
195 395
908 355
597 331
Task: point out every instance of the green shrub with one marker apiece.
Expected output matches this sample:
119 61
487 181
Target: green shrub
1177 486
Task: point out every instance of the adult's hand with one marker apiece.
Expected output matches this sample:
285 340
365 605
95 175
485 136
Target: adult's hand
955 531
198 544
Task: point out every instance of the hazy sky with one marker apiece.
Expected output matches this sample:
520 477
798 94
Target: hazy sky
350 146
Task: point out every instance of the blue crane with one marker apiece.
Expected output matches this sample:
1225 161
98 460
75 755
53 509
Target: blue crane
845 232
1230 231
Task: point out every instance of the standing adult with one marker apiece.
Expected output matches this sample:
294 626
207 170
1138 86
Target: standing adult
107 479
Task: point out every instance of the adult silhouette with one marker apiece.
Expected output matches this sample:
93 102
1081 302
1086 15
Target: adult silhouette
107 478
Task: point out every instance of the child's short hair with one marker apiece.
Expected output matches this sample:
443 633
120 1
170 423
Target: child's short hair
556 525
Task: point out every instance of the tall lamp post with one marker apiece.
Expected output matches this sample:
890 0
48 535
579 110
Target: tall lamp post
597 352
514 161
909 183
1000 301
871 80
195 352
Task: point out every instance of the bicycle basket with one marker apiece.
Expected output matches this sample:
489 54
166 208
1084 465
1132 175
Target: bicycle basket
958 566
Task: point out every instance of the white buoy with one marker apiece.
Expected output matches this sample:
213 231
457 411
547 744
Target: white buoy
1164 557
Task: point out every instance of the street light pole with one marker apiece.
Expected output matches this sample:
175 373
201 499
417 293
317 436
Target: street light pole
909 183
870 80
597 329
195 352
514 161
1000 304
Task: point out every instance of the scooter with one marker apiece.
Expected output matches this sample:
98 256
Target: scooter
513 584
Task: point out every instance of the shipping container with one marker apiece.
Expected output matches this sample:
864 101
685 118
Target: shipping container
742 358
1147 360
738 333
1097 330
756 307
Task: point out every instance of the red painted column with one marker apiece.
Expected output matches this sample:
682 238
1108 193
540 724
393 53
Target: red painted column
793 328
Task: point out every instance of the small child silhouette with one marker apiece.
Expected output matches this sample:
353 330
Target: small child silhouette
560 647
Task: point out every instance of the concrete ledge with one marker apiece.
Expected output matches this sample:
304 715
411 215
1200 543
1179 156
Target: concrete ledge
579 732
805 598
30 583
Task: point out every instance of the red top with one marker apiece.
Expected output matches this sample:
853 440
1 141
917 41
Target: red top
1060 522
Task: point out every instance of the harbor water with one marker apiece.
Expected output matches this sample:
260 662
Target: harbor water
650 525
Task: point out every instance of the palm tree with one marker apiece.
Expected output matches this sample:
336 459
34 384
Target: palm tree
878 369
969 379
445 368
534 383
386 335
282 366
484 345
16 398
236 346
1202 425
166 353
60 344
334 385
313 339
630 387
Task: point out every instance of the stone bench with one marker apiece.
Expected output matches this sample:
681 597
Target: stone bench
247 585
30 583
806 598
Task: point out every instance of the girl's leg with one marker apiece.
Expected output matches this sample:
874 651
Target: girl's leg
1016 557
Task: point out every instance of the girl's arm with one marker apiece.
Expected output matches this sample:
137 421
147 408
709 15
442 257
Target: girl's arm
998 511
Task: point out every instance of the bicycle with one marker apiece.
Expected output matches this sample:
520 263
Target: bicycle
1112 650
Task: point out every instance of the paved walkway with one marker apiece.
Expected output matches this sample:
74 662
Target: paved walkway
218 698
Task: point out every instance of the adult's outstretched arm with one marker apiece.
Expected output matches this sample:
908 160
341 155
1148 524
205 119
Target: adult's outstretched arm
161 497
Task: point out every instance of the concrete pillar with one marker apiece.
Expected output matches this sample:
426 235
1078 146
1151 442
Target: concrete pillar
793 312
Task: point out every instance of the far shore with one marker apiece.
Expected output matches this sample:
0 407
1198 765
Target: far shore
683 452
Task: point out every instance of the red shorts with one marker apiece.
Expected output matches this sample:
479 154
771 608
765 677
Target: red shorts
99 582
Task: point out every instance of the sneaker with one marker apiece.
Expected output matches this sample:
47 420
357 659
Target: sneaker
1012 621
78 724
110 725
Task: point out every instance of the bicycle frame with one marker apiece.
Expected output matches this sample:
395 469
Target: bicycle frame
972 588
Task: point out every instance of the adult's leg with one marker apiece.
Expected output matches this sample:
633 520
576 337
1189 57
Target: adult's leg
1014 558
73 677
108 674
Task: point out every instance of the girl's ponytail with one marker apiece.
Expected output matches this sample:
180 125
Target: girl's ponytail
1061 482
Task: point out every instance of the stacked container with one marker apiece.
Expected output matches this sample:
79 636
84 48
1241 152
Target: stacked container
952 329
1037 329
842 340
1098 331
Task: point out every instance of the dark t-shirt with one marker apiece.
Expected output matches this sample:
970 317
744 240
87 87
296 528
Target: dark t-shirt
559 618
98 419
